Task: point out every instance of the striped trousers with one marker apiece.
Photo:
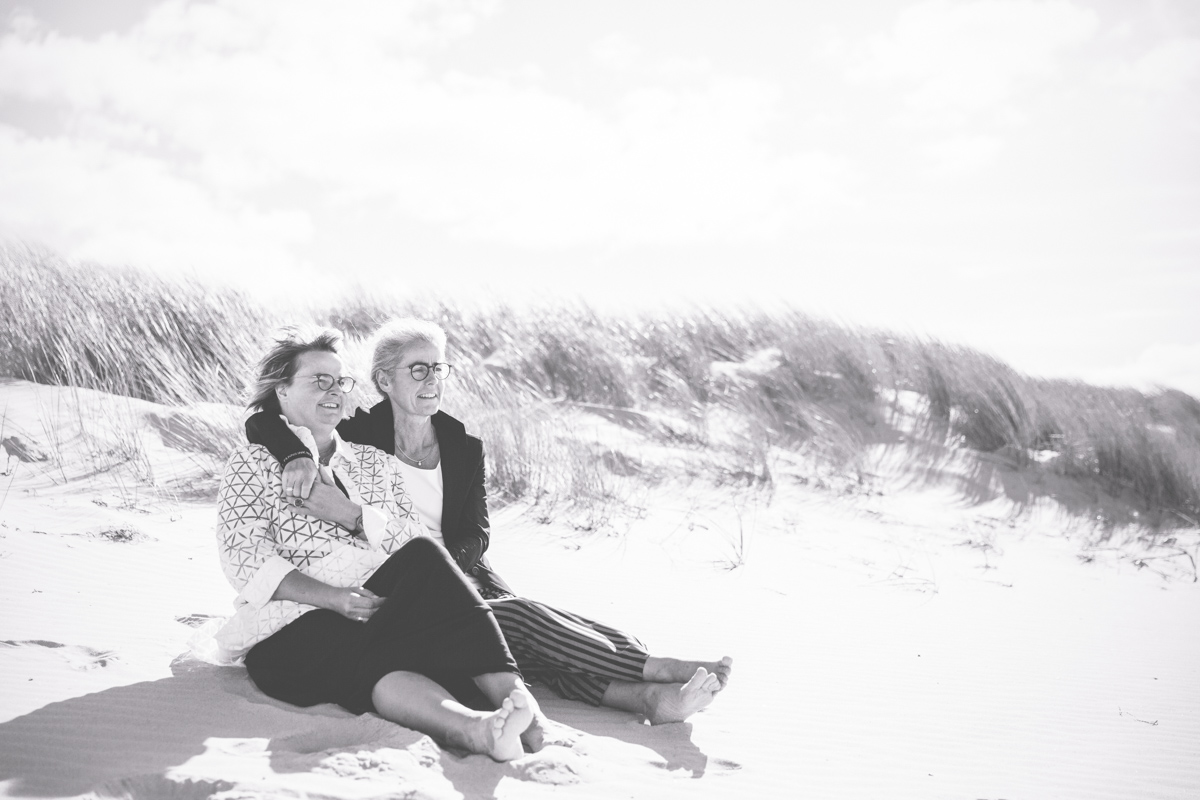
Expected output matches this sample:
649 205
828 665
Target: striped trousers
575 656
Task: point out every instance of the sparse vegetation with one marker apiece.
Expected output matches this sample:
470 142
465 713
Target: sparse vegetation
745 383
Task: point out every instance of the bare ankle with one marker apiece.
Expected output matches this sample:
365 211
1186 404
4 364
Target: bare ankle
471 734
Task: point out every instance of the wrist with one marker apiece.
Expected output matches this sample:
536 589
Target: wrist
354 520
329 597
290 457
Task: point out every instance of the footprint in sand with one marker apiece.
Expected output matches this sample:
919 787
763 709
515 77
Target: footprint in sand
361 748
353 734
156 787
553 766
78 656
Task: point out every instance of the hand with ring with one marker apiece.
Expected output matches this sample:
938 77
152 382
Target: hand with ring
298 478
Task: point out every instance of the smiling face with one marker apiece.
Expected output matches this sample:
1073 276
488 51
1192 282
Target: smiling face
411 397
306 404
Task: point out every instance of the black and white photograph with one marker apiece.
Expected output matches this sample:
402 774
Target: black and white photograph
660 399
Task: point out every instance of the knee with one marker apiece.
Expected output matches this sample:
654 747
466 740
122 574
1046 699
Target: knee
416 558
424 551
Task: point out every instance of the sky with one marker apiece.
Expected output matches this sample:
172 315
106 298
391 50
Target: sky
1020 176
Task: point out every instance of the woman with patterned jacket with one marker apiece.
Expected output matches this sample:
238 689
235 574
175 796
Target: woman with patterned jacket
338 599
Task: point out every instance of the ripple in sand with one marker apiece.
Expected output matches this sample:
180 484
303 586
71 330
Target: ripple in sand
78 656
158 787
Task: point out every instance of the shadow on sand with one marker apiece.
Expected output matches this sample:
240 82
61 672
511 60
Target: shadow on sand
123 741
672 742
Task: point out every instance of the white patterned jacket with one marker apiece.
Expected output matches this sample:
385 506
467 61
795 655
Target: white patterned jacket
260 540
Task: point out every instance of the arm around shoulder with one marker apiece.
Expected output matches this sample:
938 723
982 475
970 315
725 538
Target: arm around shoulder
357 427
272 432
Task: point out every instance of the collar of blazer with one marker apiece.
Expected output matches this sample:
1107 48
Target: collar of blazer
451 435
452 439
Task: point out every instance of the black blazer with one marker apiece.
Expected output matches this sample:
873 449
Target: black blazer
465 526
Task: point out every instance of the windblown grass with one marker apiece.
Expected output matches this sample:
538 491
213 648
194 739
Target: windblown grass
744 382
123 331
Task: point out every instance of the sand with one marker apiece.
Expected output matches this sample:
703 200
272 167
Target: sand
890 639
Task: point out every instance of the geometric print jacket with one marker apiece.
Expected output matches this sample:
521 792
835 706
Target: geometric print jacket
260 540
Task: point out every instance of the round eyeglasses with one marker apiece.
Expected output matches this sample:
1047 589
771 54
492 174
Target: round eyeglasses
326 382
440 370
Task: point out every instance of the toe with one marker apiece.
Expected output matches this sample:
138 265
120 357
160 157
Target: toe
697 680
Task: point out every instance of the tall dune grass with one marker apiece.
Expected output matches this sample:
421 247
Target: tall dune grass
790 381
825 388
124 331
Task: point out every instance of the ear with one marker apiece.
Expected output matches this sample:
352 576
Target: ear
281 390
383 379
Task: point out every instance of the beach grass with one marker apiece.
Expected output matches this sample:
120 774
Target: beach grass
744 383
124 331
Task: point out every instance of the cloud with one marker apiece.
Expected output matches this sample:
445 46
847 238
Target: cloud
962 156
1169 67
254 123
951 60
113 206
616 52
1171 364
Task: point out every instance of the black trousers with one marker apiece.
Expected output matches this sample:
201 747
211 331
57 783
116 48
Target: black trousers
433 622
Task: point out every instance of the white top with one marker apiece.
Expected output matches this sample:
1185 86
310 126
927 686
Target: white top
424 486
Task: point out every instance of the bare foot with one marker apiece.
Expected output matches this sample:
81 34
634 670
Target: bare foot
674 670
544 731
673 702
498 734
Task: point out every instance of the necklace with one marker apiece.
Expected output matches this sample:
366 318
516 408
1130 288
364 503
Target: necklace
429 450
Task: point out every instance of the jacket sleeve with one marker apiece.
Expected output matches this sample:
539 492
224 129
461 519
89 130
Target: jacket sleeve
272 432
357 428
245 533
476 530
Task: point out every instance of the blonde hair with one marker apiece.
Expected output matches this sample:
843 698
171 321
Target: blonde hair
397 334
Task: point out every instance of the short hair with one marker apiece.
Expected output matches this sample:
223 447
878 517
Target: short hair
278 365
397 334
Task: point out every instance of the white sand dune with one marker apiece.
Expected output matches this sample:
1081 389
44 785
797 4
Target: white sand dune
897 642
